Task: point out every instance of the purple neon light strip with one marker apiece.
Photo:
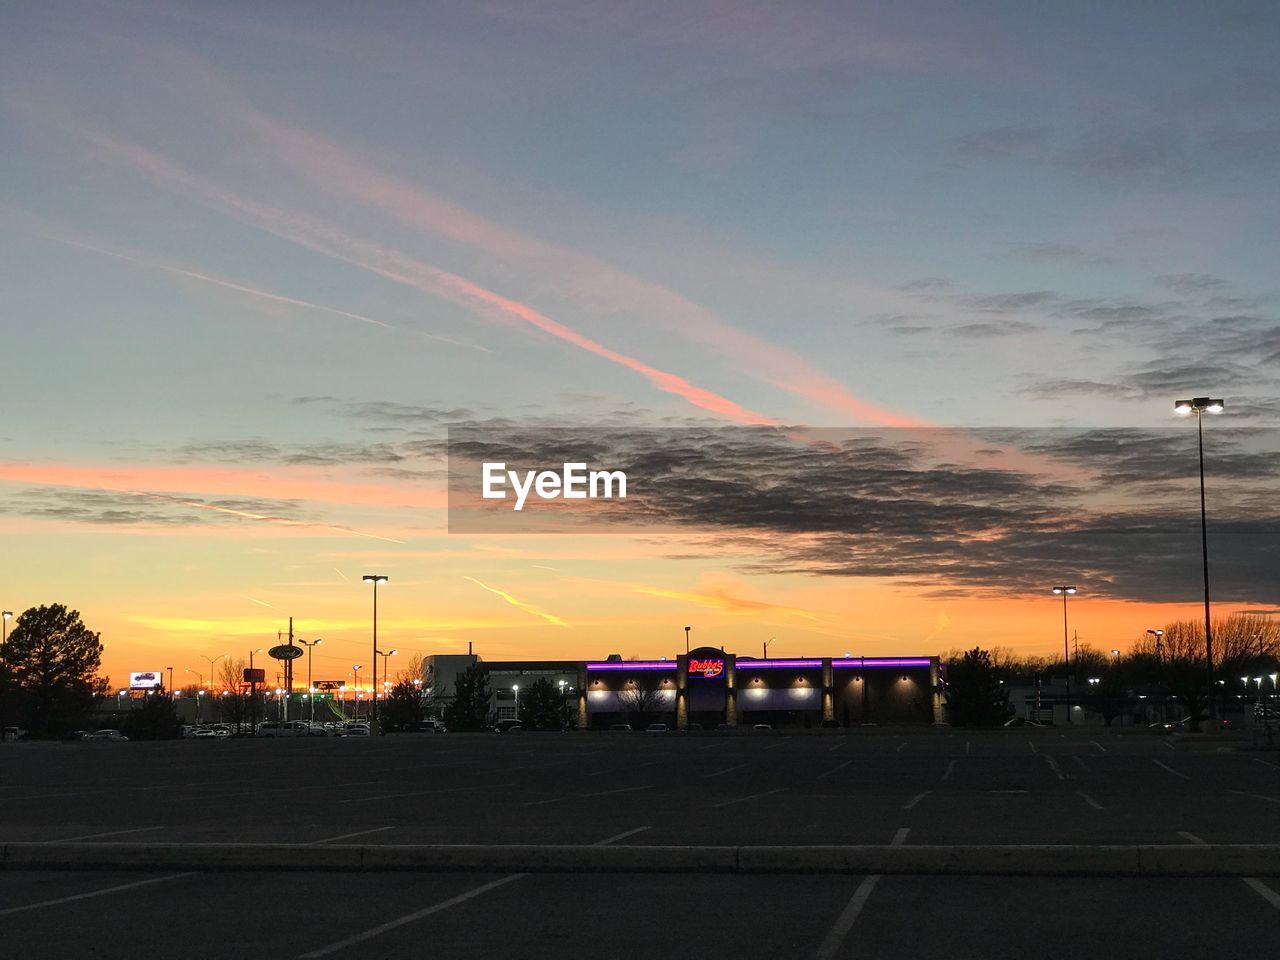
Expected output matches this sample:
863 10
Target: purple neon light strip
632 665
872 662
779 664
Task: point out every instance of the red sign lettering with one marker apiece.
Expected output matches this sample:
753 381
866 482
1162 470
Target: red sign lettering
706 668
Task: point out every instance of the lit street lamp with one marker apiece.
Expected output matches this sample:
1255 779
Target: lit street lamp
375 579
1200 406
355 689
211 661
1065 591
515 689
5 617
764 652
310 693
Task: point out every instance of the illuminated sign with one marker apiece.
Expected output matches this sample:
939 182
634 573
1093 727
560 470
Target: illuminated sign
706 667
146 680
329 685
255 675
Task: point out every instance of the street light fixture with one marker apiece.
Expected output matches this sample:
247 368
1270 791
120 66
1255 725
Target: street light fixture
375 579
765 651
311 717
5 617
1065 591
386 672
355 684
686 640
211 661
1200 406
515 689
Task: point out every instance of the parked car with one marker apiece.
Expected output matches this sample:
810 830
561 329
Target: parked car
355 731
203 733
13 733
75 735
1022 722
657 728
761 726
620 727
113 735
509 726
288 728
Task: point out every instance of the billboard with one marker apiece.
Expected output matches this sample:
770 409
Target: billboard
328 686
255 675
146 680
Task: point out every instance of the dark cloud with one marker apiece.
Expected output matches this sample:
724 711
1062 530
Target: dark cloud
1188 283
118 508
1114 510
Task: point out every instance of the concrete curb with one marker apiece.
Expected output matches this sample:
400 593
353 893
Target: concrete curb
1043 860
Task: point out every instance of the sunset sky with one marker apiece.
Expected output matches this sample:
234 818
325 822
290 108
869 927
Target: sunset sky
256 260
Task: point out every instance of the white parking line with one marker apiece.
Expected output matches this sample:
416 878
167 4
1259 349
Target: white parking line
1165 766
1169 744
721 773
950 766
435 908
411 917
1262 890
837 746
1253 883
753 796
620 836
775 746
839 766
1256 796
348 836
1090 801
94 893
1266 763
967 745
916 799
110 833
1053 765
1032 746
901 746
1098 745
835 937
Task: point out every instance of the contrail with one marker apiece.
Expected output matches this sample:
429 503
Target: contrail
520 604
264 603
255 291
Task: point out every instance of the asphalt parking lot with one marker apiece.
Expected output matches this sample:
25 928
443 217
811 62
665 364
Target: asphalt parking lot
834 787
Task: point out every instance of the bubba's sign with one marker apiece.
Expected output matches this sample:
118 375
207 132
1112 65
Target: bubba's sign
707 667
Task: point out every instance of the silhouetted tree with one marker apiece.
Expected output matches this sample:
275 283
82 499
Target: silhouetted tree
642 700
975 695
469 709
54 659
543 707
402 709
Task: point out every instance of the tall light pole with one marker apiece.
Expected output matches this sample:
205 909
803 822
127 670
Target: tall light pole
385 670
355 695
375 579
764 653
515 689
1200 406
170 681
5 617
311 694
686 640
1159 635
253 694
1066 591
199 675
211 661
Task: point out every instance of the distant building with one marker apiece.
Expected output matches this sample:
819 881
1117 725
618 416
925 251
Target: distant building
709 687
